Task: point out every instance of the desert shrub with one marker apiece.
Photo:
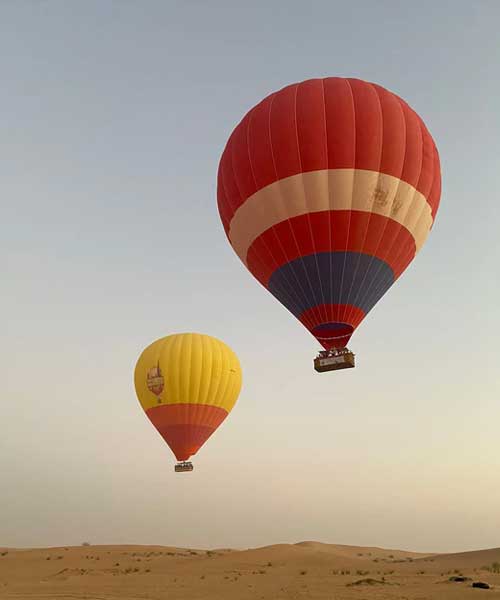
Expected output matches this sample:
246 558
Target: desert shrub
481 585
85 544
304 572
368 581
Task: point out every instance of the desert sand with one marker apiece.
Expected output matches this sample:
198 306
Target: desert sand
284 571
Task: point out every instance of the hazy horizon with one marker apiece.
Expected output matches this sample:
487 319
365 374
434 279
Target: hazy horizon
113 117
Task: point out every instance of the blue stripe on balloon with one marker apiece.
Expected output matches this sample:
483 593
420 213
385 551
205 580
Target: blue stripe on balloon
331 278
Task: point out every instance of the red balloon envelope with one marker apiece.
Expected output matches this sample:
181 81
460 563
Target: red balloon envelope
327 189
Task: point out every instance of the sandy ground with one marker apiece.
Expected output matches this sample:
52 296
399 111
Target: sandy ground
291 571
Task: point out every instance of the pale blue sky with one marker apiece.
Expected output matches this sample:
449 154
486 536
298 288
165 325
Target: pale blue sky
113 116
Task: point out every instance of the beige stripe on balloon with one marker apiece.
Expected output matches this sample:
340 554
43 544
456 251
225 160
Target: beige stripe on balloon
330 189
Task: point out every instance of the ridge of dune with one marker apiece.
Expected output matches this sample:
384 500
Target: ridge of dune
349 550
473 557
303 547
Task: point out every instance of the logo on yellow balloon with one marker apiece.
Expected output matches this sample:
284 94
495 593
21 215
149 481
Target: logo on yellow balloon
155 381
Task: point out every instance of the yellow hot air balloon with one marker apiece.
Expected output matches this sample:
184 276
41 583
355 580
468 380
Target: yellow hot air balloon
187 384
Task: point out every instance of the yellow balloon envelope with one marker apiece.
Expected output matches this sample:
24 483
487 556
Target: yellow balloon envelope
187 384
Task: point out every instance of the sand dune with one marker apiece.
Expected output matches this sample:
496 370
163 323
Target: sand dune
476 558
283 571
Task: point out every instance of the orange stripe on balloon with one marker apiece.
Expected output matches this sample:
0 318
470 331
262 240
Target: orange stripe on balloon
185 440
186 427
186 414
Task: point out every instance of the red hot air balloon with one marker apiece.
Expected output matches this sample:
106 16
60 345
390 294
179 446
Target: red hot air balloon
327 189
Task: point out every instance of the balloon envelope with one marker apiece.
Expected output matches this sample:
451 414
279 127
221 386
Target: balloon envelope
327 189
187 384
